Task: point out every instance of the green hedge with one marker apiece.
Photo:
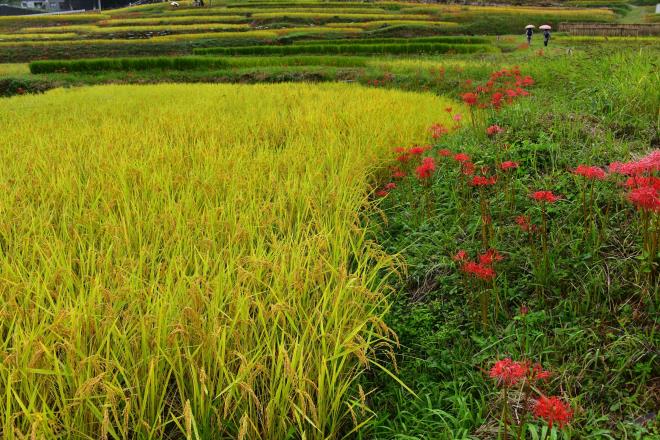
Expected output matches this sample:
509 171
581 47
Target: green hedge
126 64
446 40
347 49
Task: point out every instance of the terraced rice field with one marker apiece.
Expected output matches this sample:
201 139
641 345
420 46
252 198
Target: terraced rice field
180 30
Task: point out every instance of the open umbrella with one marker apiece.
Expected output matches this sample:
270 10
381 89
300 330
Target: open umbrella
530 26
545 26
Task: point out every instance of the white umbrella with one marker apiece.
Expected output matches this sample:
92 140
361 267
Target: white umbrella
545 26
530 26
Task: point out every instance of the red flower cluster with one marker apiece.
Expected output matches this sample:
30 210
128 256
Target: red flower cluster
493 130
461 255
508 165
483 181
444 152
478 270
507 372
425 170
538 373
503 87
398 174
416 151
523 222
467 168
553 410
470 98
646 165
590 172
644 186
545 196
646 198
461 157
641 181
386 189
483 267
490 257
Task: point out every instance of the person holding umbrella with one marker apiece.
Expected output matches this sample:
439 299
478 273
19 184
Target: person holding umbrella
529 32
546 33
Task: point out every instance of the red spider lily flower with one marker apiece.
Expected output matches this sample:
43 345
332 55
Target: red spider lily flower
425 170
590 172
398 174
522 92
511 93
403 158
467 168
417 150
483 181
527 81
458 117
468 82
494 129
552 410
461 157
437 130
490 83
523 222
538 373
524 310
647 164
507 372
469 98
461 255
640 181
390 186
508 165
444 153
400 150
645 198
545 196
478 270
382 193
490 257
496 99
448 109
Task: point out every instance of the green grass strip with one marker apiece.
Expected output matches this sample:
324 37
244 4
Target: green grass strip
144 63
446 40
345 49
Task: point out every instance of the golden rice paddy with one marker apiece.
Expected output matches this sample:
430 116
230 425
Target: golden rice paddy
188 260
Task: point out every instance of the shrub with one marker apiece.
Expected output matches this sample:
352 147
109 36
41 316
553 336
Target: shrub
123 64
413 48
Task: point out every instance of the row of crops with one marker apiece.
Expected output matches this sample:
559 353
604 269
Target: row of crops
178 31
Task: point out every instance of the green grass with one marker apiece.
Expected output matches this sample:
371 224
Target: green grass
350 49
593 326
184 63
